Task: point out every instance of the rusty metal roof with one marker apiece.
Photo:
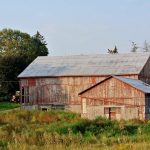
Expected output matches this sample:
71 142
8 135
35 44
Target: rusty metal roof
101 64
138 84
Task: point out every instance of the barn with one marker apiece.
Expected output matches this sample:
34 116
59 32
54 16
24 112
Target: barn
111 85
117 98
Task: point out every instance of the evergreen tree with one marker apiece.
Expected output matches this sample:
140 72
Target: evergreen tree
134 47
146 47
114 51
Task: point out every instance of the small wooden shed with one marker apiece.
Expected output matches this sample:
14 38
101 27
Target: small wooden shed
117 98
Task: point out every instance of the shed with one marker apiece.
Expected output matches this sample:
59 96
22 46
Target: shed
117 98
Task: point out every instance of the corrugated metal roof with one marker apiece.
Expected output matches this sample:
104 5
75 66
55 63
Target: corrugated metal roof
104 64
138 84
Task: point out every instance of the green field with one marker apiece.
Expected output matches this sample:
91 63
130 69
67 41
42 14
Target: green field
8 106
22 129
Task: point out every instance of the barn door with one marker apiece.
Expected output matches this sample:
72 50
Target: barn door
111 112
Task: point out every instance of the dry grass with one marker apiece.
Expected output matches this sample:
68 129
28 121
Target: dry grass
23 130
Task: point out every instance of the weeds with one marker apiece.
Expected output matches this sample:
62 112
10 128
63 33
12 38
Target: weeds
55 129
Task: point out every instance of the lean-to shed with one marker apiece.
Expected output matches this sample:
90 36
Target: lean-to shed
117 98
56 81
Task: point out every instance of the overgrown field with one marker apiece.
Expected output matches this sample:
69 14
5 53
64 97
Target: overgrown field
63 130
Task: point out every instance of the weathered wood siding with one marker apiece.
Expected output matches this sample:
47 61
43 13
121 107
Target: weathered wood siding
147 106
145 73
111 93
62 90
114 88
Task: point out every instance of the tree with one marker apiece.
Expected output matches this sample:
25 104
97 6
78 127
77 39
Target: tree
14 42
146 47
134 47
10 67
17 51
39 46
114 51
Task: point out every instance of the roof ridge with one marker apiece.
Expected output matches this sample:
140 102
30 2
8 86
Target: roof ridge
99 54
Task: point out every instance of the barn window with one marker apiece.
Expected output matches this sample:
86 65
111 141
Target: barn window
25 94
22 94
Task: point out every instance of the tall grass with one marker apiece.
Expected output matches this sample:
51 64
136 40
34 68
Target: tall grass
65 130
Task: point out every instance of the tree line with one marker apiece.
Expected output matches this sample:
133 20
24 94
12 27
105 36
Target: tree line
17 51
134 48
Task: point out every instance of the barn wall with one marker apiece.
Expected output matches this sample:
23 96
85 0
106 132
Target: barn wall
125 112
145 73
61 90
115 93
114 88
147 106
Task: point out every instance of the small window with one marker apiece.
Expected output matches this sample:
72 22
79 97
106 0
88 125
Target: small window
22 94
25 94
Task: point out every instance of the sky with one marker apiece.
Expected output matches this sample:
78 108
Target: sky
73 27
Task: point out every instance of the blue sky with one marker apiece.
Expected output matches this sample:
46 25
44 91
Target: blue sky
80 26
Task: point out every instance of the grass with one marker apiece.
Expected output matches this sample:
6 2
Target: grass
22 129
8 106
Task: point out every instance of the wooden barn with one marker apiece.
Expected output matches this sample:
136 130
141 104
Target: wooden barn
117 98
111 85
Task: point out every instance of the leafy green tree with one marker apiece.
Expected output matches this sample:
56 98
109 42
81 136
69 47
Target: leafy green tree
10 67
17 51
38 46
14 42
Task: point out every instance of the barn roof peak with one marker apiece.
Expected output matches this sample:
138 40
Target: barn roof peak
86 65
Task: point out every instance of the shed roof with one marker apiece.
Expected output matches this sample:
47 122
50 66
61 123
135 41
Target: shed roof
138 84
83 65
